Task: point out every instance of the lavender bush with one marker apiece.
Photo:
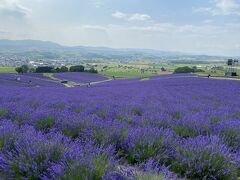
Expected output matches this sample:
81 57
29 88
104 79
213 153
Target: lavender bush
205 158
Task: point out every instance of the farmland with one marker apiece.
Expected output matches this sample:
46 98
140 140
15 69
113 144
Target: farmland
7 70
162 127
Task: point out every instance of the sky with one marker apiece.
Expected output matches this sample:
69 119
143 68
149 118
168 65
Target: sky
195 26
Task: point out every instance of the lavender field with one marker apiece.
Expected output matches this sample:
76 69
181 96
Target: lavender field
27 80
167 127
80 77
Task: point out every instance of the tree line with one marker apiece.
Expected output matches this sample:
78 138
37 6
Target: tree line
187 69
50 69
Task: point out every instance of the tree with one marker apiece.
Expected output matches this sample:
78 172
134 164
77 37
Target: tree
22 69
92 70
44 69
57 70
187 69
163 69
184 69
32 70
25 68
78 68
64 69
19 70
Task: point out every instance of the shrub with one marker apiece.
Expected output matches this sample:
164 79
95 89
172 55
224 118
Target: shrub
3 112
46 123
57 70
231 137
89 162
64 69
149 175
229 131
22 69
19 70
184 131
204 158
78 68
163 69
44 69
124 118
191 125
187 69
31 154
145 143
138 111
92 70
99 135
71 131
83 170
8 136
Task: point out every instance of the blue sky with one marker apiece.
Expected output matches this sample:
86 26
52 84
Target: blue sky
199 26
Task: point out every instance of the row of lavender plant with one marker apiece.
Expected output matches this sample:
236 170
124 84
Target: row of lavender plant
80 77
27 80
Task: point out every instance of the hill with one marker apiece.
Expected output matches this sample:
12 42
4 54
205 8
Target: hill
46 50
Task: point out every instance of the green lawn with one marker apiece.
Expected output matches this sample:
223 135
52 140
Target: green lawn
213 73
126 74
7 70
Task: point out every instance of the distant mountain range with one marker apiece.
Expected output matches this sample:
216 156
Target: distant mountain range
50 50
27 45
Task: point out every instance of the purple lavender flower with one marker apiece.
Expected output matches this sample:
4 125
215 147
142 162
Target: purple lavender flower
204 157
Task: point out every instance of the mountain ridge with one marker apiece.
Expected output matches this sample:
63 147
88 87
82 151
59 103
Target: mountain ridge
29 43
47 49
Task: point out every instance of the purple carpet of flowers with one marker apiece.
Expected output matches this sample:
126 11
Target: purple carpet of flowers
164 128
27 80
80 77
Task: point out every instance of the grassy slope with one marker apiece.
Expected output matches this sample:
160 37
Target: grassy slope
7 70
125 74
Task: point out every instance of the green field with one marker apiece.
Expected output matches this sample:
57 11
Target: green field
7 70
133 69
129 70
126 73
212 73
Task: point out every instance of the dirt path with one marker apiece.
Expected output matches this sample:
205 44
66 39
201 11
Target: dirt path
72 83
197 76
92 83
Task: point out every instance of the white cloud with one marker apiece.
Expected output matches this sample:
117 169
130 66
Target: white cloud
139 17
119 15
13 8
97 3
90 27
203 9
131 17
228 6
222 7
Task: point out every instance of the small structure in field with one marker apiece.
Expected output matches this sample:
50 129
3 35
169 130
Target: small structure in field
232 67
64 82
